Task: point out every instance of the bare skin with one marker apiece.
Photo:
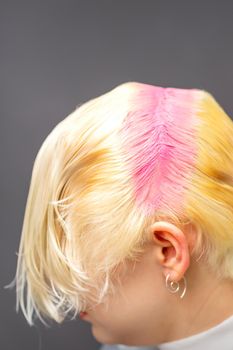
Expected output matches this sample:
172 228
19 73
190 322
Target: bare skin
144 312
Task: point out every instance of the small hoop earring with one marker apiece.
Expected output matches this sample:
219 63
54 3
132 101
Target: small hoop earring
174 287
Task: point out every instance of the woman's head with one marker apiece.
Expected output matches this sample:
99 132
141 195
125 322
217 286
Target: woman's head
120 163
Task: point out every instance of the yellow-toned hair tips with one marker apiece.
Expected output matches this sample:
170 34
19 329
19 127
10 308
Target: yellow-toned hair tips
80 221
210 194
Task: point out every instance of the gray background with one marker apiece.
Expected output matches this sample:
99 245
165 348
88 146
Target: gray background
57 54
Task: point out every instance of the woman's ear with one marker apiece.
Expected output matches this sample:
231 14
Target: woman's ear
172 249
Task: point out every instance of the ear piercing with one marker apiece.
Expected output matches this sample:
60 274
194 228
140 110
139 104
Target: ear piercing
174 287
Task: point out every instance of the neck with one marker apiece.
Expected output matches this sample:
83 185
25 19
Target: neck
208 302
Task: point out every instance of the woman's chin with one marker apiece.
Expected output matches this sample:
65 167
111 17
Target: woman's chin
102 336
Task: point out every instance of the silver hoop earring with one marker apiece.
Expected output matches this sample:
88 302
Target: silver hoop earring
174 287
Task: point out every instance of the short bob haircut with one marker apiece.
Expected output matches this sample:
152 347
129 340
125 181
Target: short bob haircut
136 154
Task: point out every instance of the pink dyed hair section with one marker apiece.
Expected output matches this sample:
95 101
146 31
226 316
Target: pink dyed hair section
159 143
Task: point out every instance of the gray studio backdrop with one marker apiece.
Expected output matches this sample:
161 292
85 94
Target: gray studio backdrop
58 54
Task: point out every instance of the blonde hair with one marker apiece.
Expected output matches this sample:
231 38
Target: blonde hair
86 212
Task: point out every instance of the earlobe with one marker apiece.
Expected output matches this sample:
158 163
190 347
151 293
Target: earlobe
173 253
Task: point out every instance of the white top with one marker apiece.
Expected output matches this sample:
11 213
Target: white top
219 337
215 338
